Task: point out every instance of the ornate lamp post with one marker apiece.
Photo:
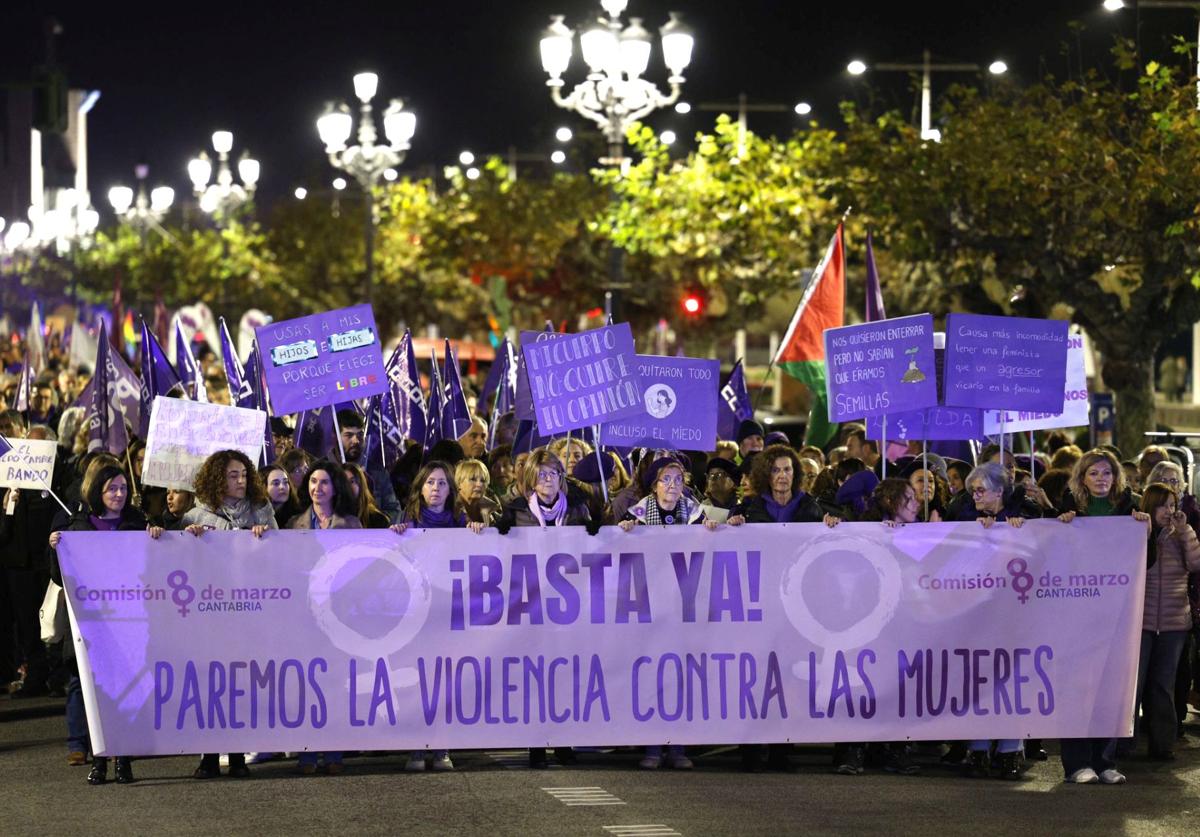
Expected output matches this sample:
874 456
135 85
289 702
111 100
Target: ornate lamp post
140 210
367 161
223 195
614 95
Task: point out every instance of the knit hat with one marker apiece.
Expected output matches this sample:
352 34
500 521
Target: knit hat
777 437
748 428
727 465
588 469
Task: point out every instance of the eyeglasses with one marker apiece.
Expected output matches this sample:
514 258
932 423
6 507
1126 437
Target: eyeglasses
978 491
547 476
668 479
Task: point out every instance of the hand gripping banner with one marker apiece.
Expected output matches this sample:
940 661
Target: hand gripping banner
365 640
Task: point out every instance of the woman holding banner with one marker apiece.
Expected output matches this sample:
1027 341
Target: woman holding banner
229 496
543 499
1096 489
666 505
106 509
471 478
434 505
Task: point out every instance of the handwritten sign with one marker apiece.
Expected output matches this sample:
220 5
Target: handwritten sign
933 424
322 359
583 379
30 464
1011 363
881 367
185 433
524 401
680 398
1075 401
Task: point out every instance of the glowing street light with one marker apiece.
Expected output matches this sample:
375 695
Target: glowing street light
803 108
683 107
563 134
466 158
223 195
558 157
301 193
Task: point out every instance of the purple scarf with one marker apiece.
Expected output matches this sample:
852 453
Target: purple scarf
556 513
445 519
782 514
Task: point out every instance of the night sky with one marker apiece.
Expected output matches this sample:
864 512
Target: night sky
170 74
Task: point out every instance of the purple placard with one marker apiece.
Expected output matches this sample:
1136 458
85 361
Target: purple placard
583 379
933 424
1006 363
524 403
882 367
322 359
680 398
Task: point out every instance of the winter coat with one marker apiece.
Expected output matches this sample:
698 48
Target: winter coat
1125 504
1013 504
201 514
304 521
1167 580
516 513
755 511
696 511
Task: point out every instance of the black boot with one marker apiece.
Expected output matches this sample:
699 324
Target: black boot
124 771
1034 751
537 758
210 767
99 774
237 766
1009 766
565 755
977 764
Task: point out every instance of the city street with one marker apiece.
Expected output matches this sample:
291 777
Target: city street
495 794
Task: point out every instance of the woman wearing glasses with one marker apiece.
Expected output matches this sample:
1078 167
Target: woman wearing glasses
544 499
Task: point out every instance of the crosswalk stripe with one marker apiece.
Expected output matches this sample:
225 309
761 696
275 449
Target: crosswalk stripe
581 796
646 830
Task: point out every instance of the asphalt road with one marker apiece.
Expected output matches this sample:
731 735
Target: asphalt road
40 794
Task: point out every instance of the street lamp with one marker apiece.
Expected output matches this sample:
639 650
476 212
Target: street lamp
140 210
613 95
366 161
223 196
926 68
1138 5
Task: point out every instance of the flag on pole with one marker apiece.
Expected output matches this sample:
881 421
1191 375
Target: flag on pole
254 377
735 405
315 433
5 446
241 394
83 346
875 310
408 404
505 389
433 415
158 376
802 352
35 342
106 424
24 387
190 373
456 415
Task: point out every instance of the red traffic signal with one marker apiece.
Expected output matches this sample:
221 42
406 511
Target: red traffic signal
692 304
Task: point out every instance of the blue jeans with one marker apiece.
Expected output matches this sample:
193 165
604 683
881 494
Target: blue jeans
1157 664
674 751
311 756
1096 753
77 729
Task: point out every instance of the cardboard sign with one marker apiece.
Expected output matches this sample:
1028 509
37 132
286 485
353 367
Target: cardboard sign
583 379
322 359
524 402
185 433
680 398
1075 401
933 424
30 464
1009 363
881 367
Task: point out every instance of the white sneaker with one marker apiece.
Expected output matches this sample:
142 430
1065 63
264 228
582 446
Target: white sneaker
1085 776
416 763
1112 776
441 761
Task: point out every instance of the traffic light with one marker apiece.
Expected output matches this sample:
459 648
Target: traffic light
692 304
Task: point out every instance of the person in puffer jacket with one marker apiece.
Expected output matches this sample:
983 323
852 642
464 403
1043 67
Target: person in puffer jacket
1173 552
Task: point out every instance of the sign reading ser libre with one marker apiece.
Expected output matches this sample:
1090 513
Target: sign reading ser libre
322 359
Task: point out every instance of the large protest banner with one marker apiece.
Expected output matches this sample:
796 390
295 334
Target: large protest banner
322 359
881 367
1075 401
185 433
1005 363
680 398
29 464
365 640
583 379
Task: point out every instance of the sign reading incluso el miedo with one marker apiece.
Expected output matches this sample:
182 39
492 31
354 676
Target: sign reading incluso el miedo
583 379
322 359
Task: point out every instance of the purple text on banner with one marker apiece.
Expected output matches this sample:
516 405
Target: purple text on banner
881 367
583 379
1005 363
524 403
322 359
932 424
448 639
680 399
1075 401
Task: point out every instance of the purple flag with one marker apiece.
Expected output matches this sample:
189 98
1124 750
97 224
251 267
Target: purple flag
315 433
24 386
389 430
35 341
874 292
735 405
254 378
506 387
190 373
158 376
433 422
106 424
408 404
240 391
5 446
456 416
492 382
527 438
383 444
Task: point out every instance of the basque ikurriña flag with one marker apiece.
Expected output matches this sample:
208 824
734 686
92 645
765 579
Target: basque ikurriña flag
802 352
407 400
735 405
158 376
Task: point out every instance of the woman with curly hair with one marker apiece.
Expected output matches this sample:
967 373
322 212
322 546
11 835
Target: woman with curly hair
778 497
229 495
367 511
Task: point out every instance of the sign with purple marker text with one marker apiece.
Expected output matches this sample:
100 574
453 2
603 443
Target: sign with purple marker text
1006 363
885 366
933 424
524 401
322 359
583 379
680 398
364 640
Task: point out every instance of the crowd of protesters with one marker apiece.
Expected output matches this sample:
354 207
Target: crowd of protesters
758 477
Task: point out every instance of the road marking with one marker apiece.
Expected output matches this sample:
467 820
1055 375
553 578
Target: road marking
514 759
580 796
646 830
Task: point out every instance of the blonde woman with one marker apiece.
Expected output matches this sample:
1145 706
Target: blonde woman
474 496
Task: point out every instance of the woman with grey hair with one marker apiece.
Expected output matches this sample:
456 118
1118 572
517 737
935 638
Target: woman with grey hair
991 497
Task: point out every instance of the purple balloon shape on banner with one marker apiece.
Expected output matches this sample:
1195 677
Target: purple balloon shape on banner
1005 363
